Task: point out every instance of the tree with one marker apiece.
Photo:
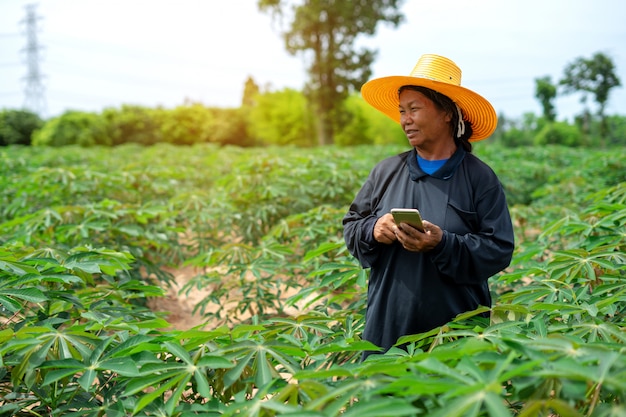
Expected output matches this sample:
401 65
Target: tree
71 128
366 125
17 126
133 124
545 92
250 90
187 124
559 133
329 29
281 118
595 76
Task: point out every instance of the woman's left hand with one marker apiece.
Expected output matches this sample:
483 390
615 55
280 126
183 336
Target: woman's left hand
415 241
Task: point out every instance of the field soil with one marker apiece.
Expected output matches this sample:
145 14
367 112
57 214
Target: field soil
177 307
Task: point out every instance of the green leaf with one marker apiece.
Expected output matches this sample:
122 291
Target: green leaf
215 362
124 366
539 407
361 345
87 379
146 381
202 383
495 405
149 397
6 335
17 268
244 329
178 351
322 249
174 398
32 295
10 304
381 407
234 374
334 372
264 370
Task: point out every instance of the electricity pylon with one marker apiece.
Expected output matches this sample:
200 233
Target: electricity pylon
34 99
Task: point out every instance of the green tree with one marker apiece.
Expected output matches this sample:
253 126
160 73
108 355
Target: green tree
355 130
187 124
617 130
250 90
230 127
281 118
366 125
517 133
545 92
594 76
71 128
17 126
558 133
328 30
133 124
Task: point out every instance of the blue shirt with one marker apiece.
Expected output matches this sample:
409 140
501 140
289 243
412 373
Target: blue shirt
430 167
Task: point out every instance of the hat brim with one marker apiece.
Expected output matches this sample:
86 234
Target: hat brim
382 94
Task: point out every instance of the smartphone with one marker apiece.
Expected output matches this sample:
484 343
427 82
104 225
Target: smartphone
408 216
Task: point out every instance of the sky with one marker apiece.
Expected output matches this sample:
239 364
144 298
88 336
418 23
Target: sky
94 54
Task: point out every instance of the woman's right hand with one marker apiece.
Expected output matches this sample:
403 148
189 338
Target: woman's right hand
384 229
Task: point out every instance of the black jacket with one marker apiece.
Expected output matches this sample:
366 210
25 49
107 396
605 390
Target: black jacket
410 292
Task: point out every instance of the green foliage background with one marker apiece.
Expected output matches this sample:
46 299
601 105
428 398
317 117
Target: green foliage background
280 118
87 235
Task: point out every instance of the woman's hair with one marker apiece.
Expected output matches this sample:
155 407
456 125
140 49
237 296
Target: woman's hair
446 104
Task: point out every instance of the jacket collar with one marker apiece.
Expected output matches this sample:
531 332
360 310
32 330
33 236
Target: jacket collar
443 173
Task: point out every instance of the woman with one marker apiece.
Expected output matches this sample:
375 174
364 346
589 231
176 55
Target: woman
421 280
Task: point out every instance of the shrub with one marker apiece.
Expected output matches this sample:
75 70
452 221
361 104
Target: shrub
281 118
353 129
187 124
132 124
230 127
71 128
559 133
17 126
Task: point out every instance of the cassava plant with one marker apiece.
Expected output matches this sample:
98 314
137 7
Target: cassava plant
86 235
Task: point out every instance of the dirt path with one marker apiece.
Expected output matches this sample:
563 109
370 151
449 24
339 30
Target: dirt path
179 307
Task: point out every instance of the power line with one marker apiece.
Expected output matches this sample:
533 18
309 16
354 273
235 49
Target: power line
34 99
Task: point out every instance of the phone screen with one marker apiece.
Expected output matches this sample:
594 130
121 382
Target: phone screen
408 216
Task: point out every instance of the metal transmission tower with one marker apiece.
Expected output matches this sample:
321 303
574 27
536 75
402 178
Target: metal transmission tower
34 99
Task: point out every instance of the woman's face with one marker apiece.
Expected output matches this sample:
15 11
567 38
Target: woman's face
422 121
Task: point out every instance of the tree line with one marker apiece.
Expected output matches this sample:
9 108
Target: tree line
276 118
328 110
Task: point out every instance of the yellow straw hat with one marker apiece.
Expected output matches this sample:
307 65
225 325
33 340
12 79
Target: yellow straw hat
442 75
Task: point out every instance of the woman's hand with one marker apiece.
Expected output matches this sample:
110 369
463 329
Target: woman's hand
384 229
415 241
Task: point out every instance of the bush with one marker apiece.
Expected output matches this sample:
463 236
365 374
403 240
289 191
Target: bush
230 127
17 127
195 123
133 124
282 118
354 126
71 128
187 124
364 125
617 130
559 133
